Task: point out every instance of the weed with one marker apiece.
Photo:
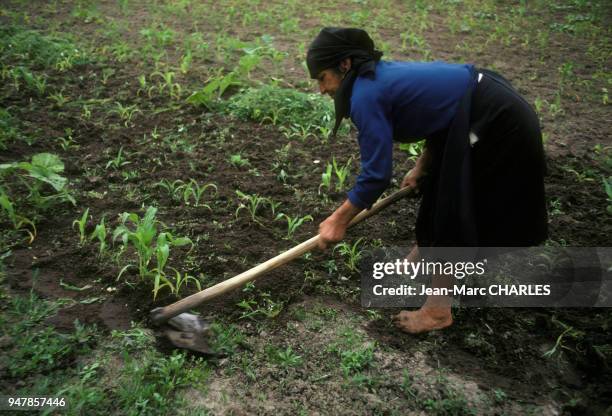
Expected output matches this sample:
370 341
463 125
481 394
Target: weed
288 358
568 332
238 161
351 253
299 113
132 339
353 361
407 385
39 50
226 338
148 383
263 306
45 350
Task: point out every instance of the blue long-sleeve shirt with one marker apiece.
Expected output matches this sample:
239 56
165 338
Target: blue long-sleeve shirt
404 101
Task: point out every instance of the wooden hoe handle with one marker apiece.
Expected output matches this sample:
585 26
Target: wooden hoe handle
160 315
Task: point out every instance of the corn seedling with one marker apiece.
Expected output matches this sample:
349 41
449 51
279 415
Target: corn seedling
184 279
119 160
126 113
81 224
44 169
17 220
100 234
608 188
326 178
293 223
351 254
171 187
167 84
252 203
59 99
142 235
193 189
341 173
67 142
186 62
106 74
214 89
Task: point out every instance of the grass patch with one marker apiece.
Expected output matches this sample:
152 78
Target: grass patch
38 50
298 114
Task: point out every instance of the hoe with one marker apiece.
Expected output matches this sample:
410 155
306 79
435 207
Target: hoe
189 331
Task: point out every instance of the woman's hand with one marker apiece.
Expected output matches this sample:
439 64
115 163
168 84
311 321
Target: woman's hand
331 231
334 227
412 178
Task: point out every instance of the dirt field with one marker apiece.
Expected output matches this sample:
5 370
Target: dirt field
107 87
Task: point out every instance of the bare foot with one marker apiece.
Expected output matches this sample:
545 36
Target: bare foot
423 320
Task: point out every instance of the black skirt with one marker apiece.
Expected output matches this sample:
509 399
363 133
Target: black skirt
507 170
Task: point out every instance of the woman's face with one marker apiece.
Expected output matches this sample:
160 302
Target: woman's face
329 81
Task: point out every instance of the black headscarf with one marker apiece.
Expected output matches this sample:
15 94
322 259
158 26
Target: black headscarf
329 48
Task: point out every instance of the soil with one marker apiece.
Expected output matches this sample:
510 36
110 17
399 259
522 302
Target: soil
510 356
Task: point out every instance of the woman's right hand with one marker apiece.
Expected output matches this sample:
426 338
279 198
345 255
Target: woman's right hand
412 179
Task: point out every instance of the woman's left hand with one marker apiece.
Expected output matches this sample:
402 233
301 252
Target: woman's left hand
331 231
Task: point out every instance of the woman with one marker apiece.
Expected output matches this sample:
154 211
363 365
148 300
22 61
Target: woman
481 171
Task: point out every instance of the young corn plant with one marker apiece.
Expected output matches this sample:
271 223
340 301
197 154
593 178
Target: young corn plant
351 253
195 191
326 178
80 223
252 203
181 280
19 221
608 188
341 173
293 223
167 84
100 234
142 234
126 113
119 161
43 171
171 187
